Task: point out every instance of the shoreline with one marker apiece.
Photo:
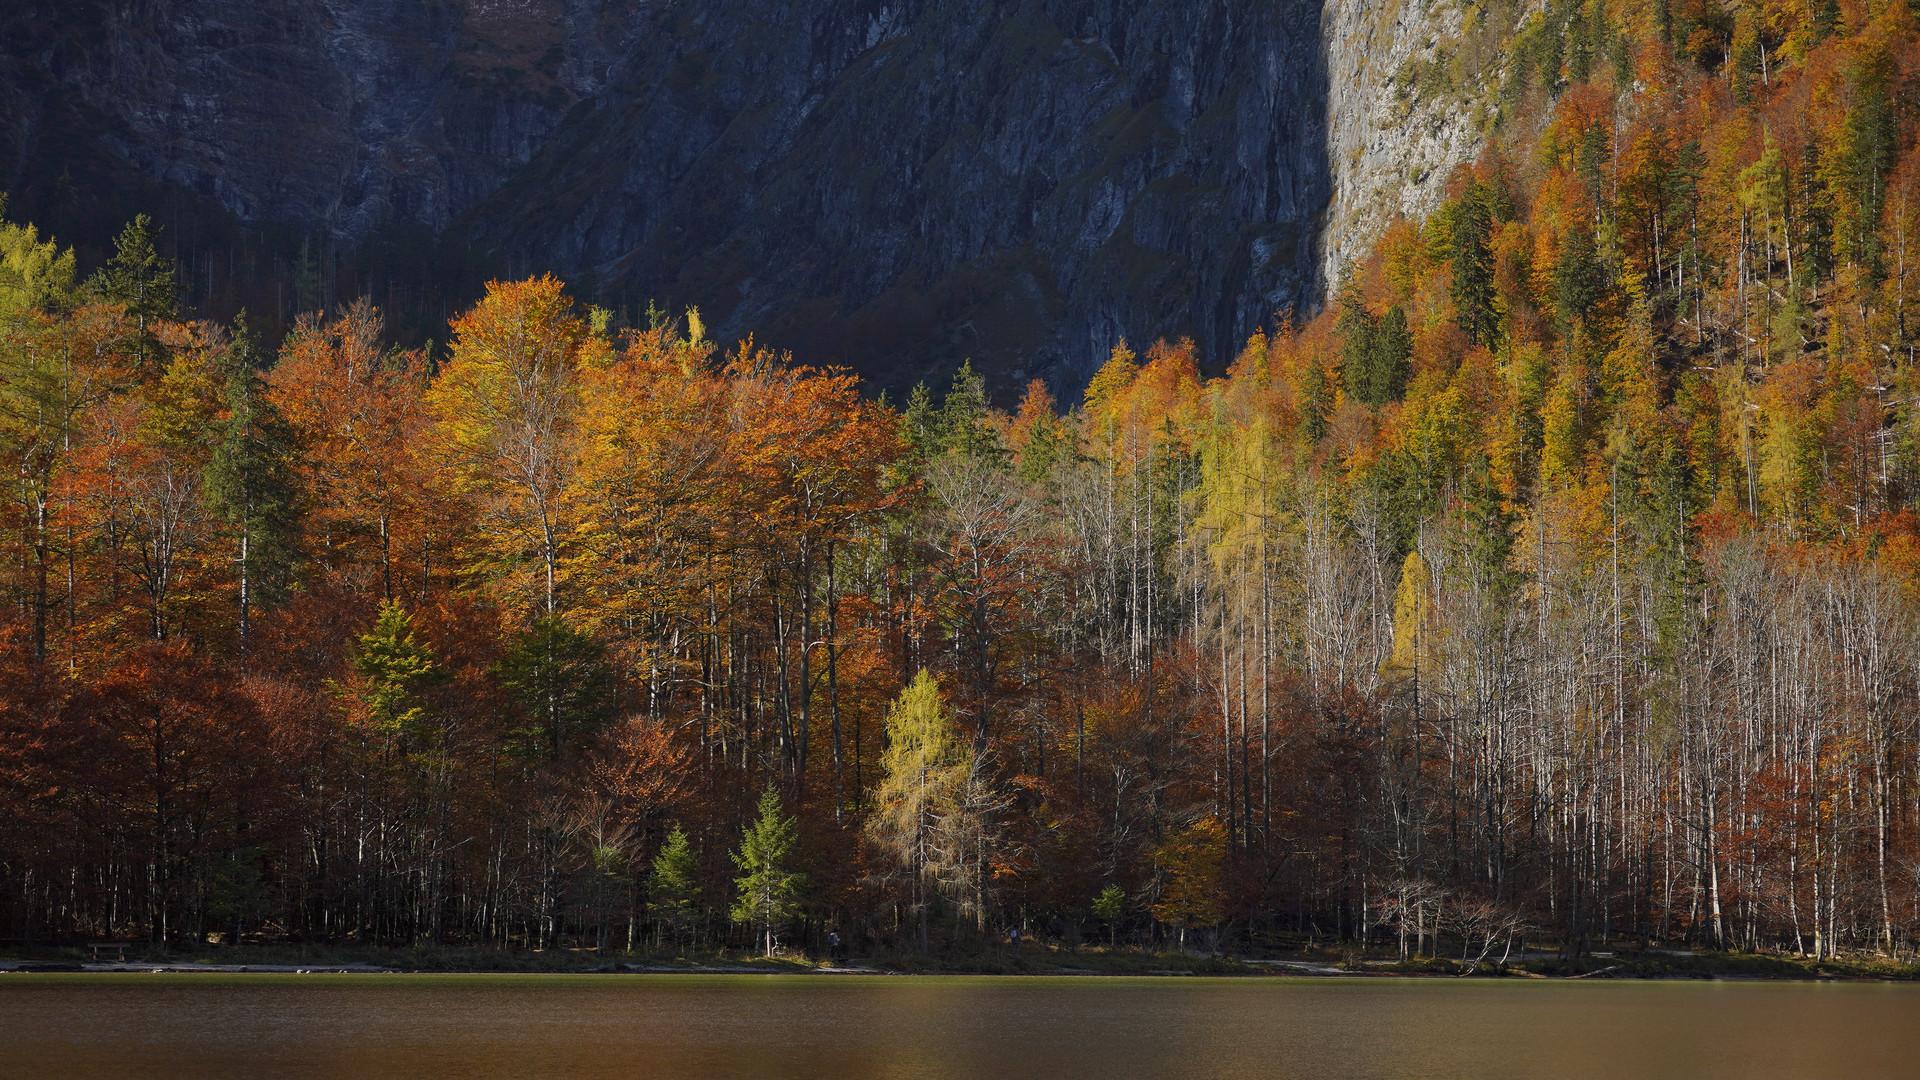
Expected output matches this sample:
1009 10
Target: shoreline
1699 969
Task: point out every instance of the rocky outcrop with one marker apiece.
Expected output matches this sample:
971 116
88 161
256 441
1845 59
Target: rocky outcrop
891 184
1407 101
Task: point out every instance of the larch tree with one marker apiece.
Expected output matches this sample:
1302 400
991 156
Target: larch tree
922 774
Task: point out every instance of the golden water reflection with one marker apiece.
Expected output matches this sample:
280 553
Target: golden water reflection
368 1027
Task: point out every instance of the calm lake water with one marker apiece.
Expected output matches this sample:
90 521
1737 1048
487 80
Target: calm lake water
211 1027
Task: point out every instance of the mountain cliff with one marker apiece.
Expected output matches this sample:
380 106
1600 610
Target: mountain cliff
894 185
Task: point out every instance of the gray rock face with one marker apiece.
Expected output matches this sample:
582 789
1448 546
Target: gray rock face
1391 148
893 185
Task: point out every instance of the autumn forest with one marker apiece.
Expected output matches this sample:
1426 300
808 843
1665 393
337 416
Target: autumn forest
1558 582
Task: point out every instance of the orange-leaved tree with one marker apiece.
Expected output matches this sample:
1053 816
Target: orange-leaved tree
506 429
359 411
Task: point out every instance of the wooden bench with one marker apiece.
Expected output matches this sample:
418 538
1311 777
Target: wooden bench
117 948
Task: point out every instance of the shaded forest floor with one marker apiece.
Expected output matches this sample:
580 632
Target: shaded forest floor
1028 959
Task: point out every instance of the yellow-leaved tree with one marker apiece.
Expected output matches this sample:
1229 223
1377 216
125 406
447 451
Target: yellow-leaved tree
1189 864
505 412
920 806
1413 647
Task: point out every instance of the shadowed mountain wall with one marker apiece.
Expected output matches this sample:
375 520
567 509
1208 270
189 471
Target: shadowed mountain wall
894 185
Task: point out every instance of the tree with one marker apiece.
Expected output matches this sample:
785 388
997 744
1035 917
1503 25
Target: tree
398 674
962 425
923 771
1316 401
506 412
54 371
250 479
919 424
1190 862
1357 328
673 888
1393 354
142 282
561 678
148 458
1108 907
1376 354
405 750
47 378
356 410
1868 147
812 459
608 860
172 753
658 490
1041 441
1470 245
34 275
1577 278
769 887
1412 612
991 547
642 769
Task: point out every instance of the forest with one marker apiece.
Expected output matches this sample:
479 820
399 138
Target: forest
1559 582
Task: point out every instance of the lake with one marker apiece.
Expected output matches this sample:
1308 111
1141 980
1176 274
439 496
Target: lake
688 1027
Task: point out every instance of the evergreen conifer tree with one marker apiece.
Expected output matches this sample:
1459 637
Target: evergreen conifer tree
1357 328
398 674
251 481
1048 445
1393 355
919 424
1576 279
769 888
141 280
1472 285
1375 352
1316 401
560 676
674 886
962 422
